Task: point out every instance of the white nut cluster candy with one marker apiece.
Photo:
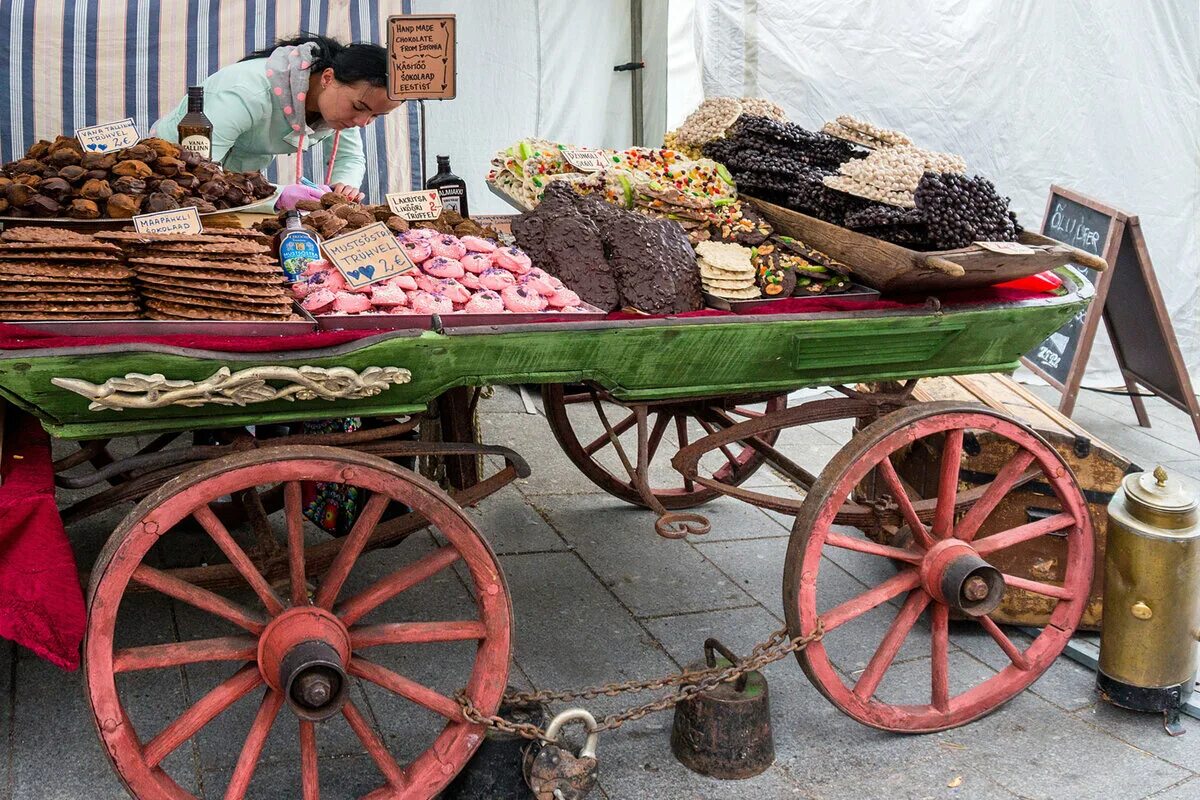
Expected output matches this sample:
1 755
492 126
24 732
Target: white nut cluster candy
891 175
864 133
712 119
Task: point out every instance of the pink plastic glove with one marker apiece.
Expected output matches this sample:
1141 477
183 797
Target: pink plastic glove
295 193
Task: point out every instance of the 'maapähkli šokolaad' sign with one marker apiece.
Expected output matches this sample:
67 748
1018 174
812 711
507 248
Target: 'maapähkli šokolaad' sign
421 57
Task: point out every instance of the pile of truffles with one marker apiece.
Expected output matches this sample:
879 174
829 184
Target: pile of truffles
713 118
60 179
334 215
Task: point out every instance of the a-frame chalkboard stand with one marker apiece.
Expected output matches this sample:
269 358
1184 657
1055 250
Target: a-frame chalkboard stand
1138 326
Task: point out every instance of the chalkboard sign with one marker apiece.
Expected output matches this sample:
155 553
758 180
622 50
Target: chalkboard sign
1138 326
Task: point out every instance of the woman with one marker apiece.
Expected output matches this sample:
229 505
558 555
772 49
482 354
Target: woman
284 99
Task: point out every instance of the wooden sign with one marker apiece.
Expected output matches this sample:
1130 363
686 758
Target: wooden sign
178 220
415 206
368 255
585 160
109 136
421 57
1138 326
1007 248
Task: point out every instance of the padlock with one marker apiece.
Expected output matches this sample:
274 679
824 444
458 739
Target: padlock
497 769
554 772
725 732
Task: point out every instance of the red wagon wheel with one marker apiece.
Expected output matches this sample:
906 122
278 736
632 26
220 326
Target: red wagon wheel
672 426
942 567
303 653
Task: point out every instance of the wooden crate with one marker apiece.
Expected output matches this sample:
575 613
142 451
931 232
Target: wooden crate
894 269
1098 467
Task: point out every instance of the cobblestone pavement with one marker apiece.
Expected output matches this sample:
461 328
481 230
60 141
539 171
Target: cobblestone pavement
599 597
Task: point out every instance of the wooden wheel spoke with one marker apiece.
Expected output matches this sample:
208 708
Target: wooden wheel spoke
1000 486
872 598
199 598
384 589
238 558
295 532
749 413
897 632
710 429
1007 645
661 420
352 547
939 661
406 688
375 747
416 633
310 775
896 487
681 435
1023 533
943 516
268 710
871 548
174 654
604 440
1037 587
202 712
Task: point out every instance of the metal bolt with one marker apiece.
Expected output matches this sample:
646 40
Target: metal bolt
975 589
313 689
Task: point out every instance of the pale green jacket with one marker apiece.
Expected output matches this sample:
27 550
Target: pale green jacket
249 129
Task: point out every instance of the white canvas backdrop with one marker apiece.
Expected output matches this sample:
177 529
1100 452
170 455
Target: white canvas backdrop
1099 95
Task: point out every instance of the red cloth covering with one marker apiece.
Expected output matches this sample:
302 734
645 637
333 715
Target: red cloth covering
41 601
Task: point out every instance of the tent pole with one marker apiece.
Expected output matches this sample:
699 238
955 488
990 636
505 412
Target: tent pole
635 56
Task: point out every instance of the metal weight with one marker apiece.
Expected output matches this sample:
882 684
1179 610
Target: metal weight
497 768
555 773
725 732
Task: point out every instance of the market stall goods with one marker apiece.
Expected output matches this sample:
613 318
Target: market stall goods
713 118
334 215
51 274
864 133
726 270
61 179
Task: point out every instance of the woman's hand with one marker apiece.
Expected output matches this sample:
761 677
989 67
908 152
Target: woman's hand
347 191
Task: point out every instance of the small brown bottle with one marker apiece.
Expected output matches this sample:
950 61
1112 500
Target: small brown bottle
195 129
451 188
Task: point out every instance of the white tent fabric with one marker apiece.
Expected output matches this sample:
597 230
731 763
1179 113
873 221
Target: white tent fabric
1102 97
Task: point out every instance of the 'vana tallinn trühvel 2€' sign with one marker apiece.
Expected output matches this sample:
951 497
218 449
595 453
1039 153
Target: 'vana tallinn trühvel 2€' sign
1138 326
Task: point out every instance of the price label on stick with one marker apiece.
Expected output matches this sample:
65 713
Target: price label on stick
108 137
585 160
368 255
1007 248
177 221
415 206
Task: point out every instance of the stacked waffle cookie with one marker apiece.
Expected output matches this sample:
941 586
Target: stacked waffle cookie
205 277
50 273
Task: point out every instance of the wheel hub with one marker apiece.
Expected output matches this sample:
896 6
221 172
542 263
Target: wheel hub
303 654
954 574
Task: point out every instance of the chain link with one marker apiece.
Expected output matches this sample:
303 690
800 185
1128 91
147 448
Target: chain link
689 682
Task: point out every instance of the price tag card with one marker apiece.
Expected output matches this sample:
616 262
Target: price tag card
368 255
415 206
585 160
109 136
177 221
1007 248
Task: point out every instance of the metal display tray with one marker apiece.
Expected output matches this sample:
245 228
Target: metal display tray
373 322
856 292
175 327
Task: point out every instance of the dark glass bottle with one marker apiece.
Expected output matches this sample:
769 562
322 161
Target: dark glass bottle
451 188
195 129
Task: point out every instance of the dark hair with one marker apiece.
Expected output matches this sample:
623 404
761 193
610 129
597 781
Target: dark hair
351 63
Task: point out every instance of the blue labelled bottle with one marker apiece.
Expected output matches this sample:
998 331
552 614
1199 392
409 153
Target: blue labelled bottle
297 247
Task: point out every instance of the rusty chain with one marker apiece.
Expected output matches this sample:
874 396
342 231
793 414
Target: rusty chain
689 683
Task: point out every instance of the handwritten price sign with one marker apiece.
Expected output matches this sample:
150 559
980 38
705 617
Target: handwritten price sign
415 206
1007 248
368 255
108 137
175 221
585 160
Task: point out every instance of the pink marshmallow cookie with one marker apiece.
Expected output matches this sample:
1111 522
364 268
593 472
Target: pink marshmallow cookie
512 259
448 247
563 298
407 282
417 234
427 283
471 282
485 302
418 250
430 303
314 267
385 294
475 244
538 281
318 301
443 267
350 303
476 262
497 279
454 291
520 300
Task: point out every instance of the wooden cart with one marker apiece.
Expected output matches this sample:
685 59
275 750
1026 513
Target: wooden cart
710 394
